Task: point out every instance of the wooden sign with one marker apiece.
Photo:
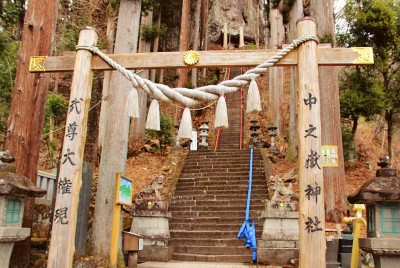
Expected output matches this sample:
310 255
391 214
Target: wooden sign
329 154
123 194
62 243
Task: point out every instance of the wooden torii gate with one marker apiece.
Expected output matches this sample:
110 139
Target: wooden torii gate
308 56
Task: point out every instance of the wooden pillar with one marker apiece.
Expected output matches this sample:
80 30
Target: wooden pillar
312 244
275 74
62 244
241 37
225 35
115 233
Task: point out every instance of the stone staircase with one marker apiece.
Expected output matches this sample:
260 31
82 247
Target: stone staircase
209 202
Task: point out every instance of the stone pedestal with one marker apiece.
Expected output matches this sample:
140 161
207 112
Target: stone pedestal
280 234
8 236
386 251
155 232
332 248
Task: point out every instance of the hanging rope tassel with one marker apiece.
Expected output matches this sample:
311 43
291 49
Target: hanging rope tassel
221 114
153 117
185 128
253 98
132 104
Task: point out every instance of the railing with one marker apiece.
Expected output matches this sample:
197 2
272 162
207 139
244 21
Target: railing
46 181
247 231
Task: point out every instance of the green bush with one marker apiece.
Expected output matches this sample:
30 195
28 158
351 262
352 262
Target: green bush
56 106
149 32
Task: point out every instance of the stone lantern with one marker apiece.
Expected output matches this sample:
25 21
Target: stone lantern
177 143
254 132
272 132
13 190
204 134
382 198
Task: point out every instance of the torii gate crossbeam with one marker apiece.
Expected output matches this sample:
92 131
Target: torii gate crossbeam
312 245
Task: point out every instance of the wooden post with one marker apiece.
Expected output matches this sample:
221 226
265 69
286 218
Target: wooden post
225 45
115 232
62 244
132 259
241 37
312 244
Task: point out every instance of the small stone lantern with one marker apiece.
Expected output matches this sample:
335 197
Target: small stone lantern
272 132
13 190
204 134
177 142
382 198
254 132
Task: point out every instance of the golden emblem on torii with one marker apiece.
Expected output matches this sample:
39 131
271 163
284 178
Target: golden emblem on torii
191 57
36 64
365 55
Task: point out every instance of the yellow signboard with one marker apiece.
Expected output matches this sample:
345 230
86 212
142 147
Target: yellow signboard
329 155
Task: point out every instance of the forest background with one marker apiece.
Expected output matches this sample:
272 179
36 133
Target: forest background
369 96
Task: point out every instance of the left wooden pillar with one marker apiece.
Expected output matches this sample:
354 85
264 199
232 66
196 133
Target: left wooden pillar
312 241
62 244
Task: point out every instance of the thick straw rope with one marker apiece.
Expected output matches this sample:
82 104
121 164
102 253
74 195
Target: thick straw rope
193 97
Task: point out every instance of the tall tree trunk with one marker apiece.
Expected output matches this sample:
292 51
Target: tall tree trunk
276 73
204 30
389 120
334 177
111 27
114 152
29 98
196 38
184 39
183 46
137 128
296 13
156 42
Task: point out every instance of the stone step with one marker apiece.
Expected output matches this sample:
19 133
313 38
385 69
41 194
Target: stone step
216 250
206 242
258 172
217 180
209 203
217 203
212 258
227 187
208 214
227 166
232 151
203 227
198 182
226 196
223 157
228 203
241 207
244 176
237 221
227 163
207 234
231 193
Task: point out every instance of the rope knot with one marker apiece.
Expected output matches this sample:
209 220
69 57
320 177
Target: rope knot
89 48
